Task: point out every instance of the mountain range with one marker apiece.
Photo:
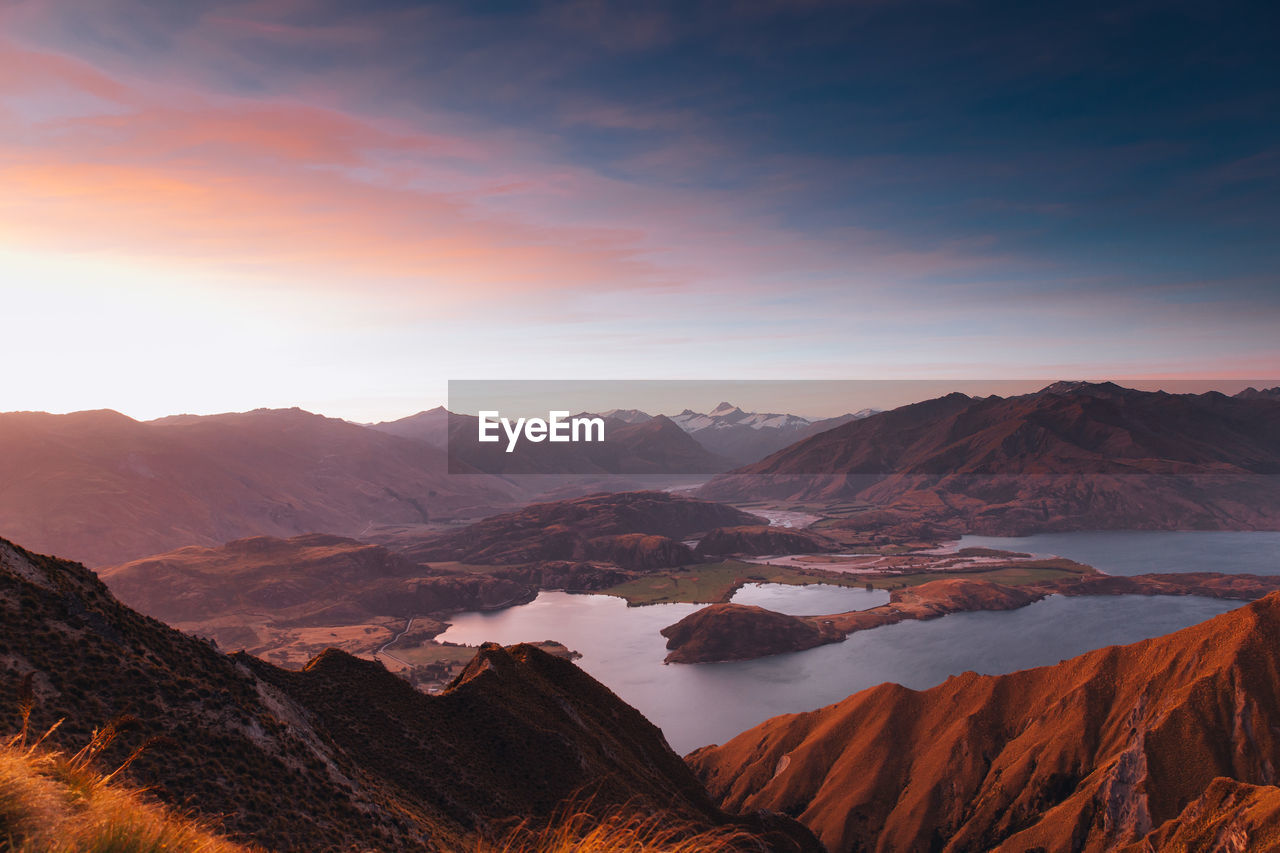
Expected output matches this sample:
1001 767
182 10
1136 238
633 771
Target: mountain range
727 435
1072 456
103 488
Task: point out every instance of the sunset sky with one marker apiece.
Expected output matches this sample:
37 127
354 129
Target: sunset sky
210 206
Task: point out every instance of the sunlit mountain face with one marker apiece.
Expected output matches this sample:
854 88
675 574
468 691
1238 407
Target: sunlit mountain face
215 206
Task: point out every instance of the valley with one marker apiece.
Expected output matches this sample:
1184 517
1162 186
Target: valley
730 595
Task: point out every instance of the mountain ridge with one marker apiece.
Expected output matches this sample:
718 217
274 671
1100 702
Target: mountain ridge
341 755
1090 754
1069 457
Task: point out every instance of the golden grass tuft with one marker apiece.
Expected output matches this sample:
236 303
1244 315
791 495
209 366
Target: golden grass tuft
51 802
622 830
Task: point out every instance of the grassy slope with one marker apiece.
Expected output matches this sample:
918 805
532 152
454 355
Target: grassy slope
54 803
51 802
716 582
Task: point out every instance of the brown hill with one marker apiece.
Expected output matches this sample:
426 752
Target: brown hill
722 632
562 530
761 540
286 577
286 600
342 755
642 551
299 581
1088 755
1073 456
104 488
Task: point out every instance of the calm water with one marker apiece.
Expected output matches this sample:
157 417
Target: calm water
710 703
810 600
1138 552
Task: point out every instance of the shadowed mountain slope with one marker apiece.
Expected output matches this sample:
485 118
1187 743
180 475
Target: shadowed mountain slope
341 755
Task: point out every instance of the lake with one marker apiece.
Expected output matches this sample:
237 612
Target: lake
1136 552
710 703
812 600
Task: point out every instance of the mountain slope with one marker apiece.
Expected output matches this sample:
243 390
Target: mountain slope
1072 456
287 600
430 427
1089 754
104 488
341 755
576 529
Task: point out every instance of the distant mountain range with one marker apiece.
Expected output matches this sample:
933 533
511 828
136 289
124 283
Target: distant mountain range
102 488
748 436
728 435
1072 456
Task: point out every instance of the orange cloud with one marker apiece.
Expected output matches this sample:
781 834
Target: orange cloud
303 194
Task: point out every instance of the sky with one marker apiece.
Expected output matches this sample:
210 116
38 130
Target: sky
211 206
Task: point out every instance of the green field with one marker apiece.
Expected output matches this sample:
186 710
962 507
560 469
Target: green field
1017 574
714 582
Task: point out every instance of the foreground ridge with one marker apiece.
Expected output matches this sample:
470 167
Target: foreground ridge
1120 746
342 755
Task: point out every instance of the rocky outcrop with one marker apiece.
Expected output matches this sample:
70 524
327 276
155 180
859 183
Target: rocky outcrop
724 632
1091 754
1229 816
761 540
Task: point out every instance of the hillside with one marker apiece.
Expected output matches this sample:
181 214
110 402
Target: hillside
1091 754
103 488
287 600
341 755
1073 456
583 528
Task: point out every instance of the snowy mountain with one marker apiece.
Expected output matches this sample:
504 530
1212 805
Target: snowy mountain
729 431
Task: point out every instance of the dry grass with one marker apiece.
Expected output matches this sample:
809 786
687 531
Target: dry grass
623 830
51 802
